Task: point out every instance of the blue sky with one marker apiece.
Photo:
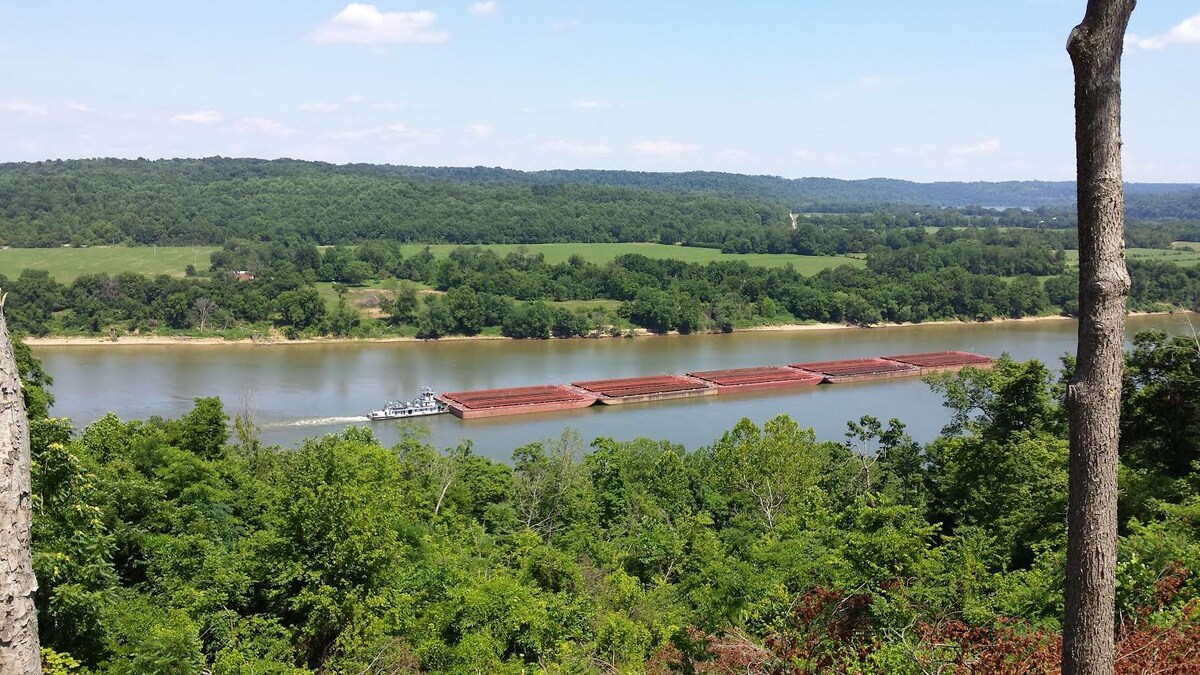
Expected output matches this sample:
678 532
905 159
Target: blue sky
920 89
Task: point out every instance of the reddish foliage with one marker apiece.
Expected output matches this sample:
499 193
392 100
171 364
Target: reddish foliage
1010 648
1167 588
829 628
826 626
1015 648
724 654
1170 650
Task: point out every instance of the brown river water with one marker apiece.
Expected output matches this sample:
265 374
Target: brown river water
303 390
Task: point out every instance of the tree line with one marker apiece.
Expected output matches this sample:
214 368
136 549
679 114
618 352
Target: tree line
915 276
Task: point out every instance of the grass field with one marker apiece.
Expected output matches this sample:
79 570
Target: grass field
1176 256
65 264
602 253
611 305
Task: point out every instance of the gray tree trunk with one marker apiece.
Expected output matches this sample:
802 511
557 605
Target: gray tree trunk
20 651
1094 395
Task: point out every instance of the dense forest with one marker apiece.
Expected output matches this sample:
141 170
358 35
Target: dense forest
173 546
208 201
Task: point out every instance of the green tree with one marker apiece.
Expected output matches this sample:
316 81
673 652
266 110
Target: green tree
767 473
1000 401
466 310
1160 415
205 430
339 549
302 308
35 381
403 304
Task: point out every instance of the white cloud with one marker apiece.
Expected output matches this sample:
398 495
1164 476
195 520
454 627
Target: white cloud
364 24
591 105
981 148
485 9
264 126
570 148
803 154
79 108
24 108
384 133
199 117
664 148
319 107
356 98
479 130
1186 32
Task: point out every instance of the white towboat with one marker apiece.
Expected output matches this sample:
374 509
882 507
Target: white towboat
426 404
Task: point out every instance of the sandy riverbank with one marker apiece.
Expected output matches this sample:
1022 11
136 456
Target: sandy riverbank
185 341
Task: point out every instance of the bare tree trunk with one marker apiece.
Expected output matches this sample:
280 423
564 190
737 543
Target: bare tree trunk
1094 395
19 647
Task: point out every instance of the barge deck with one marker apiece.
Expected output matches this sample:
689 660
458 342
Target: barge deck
618 391
645 389
858 370
763 378
942 362
515 401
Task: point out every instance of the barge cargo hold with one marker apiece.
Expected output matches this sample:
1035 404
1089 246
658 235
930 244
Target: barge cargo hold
643 389
935 362
858 370
515 401
741 380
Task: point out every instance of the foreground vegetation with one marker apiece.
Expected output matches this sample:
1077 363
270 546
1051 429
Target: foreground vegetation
172 546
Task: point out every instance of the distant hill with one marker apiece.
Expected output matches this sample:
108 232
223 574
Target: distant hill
1183 204
206 201
798 192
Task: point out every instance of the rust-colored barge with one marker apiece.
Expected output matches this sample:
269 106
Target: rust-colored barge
934 362
740 380
515 401
643 389
858 370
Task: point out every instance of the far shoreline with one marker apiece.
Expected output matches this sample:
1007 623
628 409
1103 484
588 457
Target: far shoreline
185 341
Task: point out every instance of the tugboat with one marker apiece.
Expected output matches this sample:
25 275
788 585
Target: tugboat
419 407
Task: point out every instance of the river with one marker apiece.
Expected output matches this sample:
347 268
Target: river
302 390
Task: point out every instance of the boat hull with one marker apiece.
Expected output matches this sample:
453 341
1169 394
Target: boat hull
379 416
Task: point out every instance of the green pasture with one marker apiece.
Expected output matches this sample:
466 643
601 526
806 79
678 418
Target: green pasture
602 253
610 305
1172 255
65 264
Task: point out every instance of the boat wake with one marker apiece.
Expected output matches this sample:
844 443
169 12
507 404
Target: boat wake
318 422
